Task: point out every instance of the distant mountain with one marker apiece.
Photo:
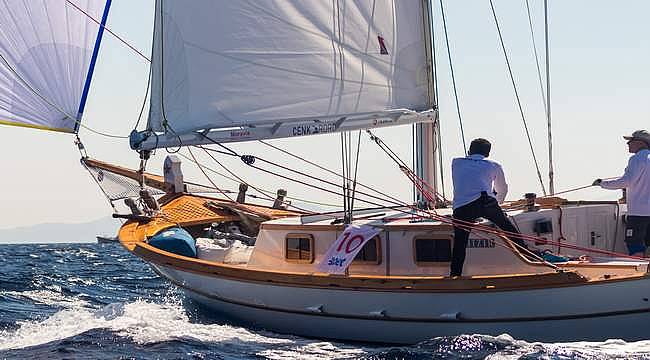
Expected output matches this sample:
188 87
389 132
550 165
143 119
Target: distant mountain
60 233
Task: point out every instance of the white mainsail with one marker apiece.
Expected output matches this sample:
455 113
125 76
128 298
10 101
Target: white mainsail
255 69
46 56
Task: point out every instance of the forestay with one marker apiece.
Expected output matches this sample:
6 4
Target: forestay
46 52
265 69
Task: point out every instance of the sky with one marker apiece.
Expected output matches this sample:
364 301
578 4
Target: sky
599 54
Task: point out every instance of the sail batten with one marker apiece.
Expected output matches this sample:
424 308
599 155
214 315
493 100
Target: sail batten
250 63
46 48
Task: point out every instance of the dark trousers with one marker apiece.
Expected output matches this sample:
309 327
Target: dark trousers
485 207
637 233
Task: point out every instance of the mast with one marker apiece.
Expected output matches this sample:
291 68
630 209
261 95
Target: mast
425 133
551 185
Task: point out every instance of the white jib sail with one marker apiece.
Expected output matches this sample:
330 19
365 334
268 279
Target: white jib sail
46 48
280 68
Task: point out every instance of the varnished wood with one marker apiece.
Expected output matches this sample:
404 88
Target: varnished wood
359 282
189 210
154 181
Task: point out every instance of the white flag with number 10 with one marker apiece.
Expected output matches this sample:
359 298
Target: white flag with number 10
345 248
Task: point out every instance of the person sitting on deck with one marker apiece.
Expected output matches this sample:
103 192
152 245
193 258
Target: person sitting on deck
479 187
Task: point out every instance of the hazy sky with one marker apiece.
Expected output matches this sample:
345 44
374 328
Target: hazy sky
600 53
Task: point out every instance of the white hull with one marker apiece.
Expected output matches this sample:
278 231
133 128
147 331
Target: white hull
618 309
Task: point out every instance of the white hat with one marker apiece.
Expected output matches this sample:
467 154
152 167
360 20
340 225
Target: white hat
642 135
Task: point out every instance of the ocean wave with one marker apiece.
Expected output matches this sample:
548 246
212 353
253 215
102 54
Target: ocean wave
123 309
144 323
48 297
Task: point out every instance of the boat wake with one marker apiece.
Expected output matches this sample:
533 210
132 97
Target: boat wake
121 309
143 324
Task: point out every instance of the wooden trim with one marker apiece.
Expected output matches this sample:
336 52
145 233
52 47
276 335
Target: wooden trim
387 227
155 181
300 227
492 283
312 250
432 237
440 227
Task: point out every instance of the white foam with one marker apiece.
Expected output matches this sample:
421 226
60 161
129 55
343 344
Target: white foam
49 297
314 350
613 348
145 323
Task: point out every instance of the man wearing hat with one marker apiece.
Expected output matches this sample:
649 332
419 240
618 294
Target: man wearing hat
636 182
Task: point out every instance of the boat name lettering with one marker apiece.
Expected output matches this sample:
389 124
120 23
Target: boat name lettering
480 243
313 129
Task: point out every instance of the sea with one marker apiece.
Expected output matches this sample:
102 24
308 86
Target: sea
97 301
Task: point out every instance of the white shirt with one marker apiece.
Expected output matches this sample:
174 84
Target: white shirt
636 181
474 174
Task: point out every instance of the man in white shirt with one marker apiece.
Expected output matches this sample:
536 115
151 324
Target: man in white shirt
479 187
636 182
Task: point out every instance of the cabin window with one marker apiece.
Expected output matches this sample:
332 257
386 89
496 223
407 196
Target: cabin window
370 253
432 251
299 248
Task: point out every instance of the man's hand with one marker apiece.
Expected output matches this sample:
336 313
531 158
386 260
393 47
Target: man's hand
597 182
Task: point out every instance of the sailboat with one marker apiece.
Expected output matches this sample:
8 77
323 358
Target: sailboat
106 239
225 71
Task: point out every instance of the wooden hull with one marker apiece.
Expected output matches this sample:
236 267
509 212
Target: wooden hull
590 311
587 301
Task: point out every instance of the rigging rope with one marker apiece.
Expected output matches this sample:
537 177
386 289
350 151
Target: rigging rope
239 179
84 155
427 190
539 71
414 212
575 189
345 179
305 160
419 182
206 175
108 30
144 101
249 160
265 191
398 203
356 167
547 105
471 226
453 77
521 110
435 91
51 104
